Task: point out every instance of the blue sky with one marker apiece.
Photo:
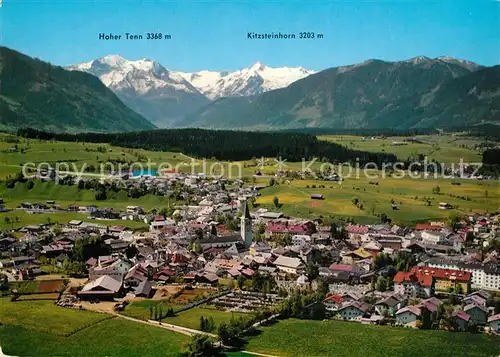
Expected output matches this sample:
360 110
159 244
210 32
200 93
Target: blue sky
213 34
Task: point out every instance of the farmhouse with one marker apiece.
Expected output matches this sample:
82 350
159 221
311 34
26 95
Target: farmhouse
103 288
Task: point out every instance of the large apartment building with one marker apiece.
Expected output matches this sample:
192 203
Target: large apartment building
484 276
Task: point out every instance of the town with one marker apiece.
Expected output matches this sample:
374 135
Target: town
221 253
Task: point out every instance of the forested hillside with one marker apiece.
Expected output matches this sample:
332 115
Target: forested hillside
37 94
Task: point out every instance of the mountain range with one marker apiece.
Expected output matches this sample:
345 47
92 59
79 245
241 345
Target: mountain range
37 94
165 97
417 93
113 94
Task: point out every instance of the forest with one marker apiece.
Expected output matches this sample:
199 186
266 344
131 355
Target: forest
224 144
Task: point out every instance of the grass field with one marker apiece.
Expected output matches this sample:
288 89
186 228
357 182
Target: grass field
58 217
191 318
39 328
65 195
409 194
113 338
141 309
291 338
446 149
44 316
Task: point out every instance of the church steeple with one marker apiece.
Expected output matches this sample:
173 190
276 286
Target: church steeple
246 225
246 212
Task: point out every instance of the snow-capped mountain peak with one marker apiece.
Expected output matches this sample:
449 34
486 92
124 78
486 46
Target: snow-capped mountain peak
256 79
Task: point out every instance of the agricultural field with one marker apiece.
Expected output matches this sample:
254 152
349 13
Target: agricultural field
414 197
410 195
37 286
85 155
291 338
447 149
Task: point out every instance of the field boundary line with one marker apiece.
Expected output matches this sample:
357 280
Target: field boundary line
88 326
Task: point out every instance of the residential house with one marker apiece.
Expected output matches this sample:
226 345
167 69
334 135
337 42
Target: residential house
408 316
461 320
390 305
144 289
333 302
289 265
354 310
494 323
478 313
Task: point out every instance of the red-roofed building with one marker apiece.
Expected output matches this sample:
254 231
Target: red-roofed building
274 229
412 284
423 281
354 229
447 280
427 227
333 302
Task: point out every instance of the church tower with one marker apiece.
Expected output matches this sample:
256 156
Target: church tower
246 225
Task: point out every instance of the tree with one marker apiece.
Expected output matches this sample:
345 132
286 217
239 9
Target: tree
312 272
436 190
382 284
201 346
276 201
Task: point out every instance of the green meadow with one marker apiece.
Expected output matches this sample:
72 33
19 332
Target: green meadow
445 149
412 197
306 338
39 328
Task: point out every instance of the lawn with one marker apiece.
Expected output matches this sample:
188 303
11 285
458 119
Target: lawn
291 338
191 318
113 338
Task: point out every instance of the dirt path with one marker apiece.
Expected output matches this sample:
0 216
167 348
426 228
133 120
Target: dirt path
258 354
